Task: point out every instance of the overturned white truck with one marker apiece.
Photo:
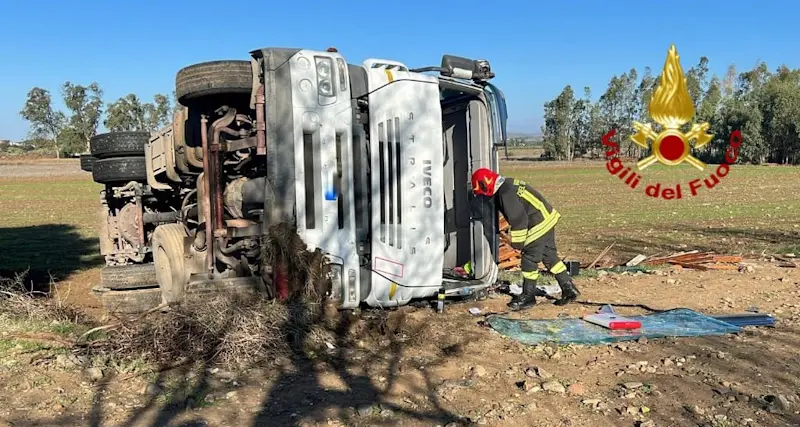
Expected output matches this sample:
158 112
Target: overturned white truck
370 164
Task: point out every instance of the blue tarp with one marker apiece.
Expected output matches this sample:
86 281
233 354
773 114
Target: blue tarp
673 323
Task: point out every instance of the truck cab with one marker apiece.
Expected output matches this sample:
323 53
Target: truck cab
369 163
382 174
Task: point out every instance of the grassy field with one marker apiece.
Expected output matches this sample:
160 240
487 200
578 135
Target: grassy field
47 212
752 209
47 218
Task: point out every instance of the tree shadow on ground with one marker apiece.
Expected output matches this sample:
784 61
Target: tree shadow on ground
294 394
47 252
297 395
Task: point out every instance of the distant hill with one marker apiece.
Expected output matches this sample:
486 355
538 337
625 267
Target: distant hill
525 135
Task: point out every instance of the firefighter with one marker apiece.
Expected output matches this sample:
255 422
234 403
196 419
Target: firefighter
532 221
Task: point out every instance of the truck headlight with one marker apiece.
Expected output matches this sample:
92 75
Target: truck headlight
342 74
324 75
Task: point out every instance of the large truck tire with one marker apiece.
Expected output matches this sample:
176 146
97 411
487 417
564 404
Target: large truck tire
87 160
134 276
120 169
118 144
213 78
168 256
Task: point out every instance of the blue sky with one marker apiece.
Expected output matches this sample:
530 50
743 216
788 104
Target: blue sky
536 48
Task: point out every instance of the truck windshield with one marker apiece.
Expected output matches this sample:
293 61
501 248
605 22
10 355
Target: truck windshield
497 107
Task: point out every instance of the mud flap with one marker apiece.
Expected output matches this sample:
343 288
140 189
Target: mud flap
281 282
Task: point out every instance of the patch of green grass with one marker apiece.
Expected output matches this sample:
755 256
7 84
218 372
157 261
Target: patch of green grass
63 328
6 345
21 346
49 226
131 366
752 209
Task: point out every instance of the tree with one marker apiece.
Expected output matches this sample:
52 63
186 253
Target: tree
697 80
159 113
581 117
763 105
130 114
558 128
71 140
629 108
85 103
45 122
126 114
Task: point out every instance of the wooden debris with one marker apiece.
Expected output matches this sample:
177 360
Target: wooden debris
602 254
510 258
698 260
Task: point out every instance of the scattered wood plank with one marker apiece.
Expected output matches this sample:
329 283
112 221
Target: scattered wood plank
656 260
700 267
727 258
698 260
506 256
510 264
602 254
720 266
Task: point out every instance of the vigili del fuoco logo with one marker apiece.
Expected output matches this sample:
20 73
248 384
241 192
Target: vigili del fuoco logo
671 107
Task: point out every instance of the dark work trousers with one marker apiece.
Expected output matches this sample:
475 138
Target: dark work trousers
543 250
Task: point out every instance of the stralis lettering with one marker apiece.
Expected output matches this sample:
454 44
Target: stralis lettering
427 201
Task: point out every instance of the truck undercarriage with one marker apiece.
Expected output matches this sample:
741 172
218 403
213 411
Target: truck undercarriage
368 165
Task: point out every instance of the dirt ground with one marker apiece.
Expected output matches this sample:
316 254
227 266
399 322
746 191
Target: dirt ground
21 168
425 369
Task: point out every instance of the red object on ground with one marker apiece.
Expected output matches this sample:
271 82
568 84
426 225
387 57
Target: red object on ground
281 283
612 321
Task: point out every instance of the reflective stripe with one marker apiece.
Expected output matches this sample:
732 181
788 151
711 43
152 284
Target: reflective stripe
518 236
517 233
549 219
530 275
559 267
536 203
542 228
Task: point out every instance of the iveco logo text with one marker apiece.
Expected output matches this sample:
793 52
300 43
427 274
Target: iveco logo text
426 184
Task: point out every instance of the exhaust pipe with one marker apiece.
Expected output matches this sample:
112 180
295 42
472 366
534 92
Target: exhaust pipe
206 203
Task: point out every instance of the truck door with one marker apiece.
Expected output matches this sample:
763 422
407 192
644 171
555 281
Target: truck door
407 206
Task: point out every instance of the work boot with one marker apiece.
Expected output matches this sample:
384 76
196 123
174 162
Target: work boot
569 292
526 299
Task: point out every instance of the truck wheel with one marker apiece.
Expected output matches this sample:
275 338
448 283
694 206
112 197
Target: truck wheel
213 78
118 144
87 160
168 254
134 276
120 169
